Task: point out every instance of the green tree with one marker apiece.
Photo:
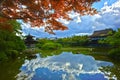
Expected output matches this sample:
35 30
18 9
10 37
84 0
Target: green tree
51 46
74 41
42 41
10 43
114 41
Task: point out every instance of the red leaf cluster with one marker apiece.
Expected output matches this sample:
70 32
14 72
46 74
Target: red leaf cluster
4 25
42 12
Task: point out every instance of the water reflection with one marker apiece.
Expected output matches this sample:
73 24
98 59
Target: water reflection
66 66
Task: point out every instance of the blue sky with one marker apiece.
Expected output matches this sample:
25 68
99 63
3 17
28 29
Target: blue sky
100 4
108 17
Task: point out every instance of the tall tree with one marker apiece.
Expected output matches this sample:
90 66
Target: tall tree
45 12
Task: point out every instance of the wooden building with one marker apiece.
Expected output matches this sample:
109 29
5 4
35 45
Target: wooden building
99 35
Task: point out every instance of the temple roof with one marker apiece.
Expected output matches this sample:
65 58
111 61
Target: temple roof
102 33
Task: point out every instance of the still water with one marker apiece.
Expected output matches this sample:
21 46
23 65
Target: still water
65 66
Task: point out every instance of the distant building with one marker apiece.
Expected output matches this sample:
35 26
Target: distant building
29 41
99 35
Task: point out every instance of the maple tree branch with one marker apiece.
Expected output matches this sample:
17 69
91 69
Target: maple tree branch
37 12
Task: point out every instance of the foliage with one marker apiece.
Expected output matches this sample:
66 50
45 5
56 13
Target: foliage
114 41
41 42
16 26
11 41
12 53
51 46
10 44
42 12
115 53
74 41
3 56
9 25
38 45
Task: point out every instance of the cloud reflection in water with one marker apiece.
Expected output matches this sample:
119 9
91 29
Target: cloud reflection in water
66 66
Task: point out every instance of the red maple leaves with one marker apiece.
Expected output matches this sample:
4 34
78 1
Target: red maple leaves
42 12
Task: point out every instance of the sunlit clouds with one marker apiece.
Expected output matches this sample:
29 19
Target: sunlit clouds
108 17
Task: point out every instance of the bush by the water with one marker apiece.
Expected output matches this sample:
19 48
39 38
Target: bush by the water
54 46
115 53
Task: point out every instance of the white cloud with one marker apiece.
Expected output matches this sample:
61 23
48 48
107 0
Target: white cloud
109 17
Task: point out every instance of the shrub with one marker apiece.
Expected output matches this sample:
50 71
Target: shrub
12 53
39 45
53 46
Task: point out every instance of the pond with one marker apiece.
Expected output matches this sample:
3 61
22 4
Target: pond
64 66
